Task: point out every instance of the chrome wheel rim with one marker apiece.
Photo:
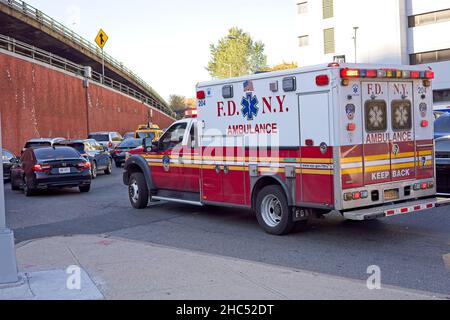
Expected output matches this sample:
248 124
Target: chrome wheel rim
134 192
94 170
271 211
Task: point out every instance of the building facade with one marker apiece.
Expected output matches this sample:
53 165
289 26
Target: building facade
397 32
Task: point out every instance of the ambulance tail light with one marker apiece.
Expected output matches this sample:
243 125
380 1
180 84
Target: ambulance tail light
201 95
359 195
322 80
350 73
334 65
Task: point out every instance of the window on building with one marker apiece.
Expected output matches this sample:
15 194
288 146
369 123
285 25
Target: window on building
328 36
302 7
429 18
441 96
328 9
430 57
303 41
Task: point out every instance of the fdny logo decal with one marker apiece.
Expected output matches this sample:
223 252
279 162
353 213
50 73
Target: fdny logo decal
250 107
350 109
166 163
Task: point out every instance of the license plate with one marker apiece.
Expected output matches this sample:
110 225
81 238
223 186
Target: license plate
393 194
64 170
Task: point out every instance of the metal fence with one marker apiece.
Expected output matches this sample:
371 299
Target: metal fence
59 28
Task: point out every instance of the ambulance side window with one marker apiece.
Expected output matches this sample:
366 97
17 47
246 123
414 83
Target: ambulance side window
173 137
376 116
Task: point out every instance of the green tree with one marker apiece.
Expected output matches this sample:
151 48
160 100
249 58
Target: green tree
177 103
236 55
283 66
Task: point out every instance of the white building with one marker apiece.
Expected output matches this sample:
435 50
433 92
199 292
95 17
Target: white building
388 32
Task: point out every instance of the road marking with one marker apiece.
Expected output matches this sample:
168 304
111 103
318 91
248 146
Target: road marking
446 258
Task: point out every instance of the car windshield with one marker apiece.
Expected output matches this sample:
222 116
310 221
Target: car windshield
131 143
144 135
37 144
442 124
6 155
77 146
46 154
99 137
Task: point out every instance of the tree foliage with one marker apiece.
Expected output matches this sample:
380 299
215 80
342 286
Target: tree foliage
236 55
282 66
177 103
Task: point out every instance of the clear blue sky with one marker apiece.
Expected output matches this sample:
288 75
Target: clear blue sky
167 42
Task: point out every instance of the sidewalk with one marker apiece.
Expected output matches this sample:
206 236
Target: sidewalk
123 269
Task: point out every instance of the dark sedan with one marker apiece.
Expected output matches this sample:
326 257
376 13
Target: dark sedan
120 152
8 161
97 155
54 167
443 164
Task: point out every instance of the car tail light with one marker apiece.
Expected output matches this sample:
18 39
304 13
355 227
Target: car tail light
84 165
41 168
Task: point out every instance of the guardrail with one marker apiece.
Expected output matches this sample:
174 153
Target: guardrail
21 48
59 28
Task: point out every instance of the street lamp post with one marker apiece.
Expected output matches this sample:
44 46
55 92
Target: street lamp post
355 38
8 263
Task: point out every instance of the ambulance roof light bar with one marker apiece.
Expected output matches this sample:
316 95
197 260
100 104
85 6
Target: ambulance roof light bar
348 73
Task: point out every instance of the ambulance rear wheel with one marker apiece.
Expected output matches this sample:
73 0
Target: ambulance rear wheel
272 211
138 191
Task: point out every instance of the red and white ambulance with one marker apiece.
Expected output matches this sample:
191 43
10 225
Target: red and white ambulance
357 139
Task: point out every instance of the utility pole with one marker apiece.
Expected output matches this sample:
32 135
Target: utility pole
8 263
103 66
355 38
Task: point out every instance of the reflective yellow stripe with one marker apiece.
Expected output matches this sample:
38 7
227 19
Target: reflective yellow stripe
315 172
403 165
378 168
378 157
405 155
425 153
352 171
351 160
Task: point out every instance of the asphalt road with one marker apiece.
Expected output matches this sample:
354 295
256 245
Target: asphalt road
410 250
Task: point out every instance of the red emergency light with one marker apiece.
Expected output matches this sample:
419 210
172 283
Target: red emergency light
322 80
415 74
350 73
371 73
429 75
201 95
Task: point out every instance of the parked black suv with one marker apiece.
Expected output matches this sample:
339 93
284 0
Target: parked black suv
8 160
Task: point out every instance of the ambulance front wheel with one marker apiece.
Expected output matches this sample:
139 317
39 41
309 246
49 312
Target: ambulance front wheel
138 191
272 211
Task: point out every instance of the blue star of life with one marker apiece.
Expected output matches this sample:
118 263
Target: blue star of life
250 106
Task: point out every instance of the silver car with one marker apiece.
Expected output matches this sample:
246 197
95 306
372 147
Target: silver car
107 139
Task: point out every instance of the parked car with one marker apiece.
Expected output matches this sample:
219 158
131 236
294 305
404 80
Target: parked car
107 139
128 135
41 142
51 167
8 161
119 153
442 126
97 155
443 165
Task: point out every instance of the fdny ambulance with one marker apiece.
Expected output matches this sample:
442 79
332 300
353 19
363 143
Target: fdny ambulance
293 144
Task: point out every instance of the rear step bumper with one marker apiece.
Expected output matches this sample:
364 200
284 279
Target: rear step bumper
397 209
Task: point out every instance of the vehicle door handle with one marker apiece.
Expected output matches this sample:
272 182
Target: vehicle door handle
226 169
218 169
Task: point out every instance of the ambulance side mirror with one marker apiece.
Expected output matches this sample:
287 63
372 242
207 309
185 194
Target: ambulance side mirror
149 145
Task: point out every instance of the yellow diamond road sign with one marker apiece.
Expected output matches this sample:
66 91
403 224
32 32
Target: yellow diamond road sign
101 38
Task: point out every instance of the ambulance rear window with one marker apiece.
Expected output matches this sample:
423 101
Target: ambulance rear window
376 116
401 115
